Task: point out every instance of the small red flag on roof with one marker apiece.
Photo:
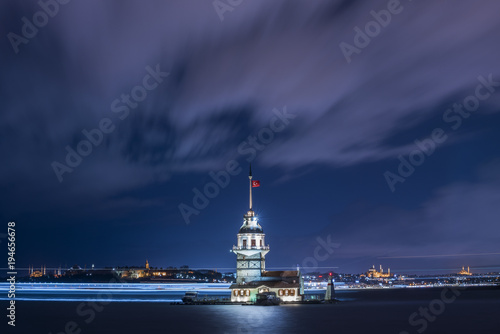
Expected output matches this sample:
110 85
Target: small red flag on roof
255 183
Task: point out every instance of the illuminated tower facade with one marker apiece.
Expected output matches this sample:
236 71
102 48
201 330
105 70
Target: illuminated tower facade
251 248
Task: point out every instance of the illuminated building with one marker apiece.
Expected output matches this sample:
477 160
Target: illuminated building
134 272
465 272
37 273
148 273
373 273
251 275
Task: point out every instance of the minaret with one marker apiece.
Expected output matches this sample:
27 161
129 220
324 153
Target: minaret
251 248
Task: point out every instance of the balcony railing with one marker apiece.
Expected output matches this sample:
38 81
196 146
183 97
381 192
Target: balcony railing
251 247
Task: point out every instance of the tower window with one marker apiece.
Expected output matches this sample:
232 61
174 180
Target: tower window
254 243
244 243
260 242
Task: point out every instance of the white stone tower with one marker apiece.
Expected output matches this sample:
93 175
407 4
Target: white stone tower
251 248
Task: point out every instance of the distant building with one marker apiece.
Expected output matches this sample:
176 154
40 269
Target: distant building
184 274
373 273
37 273
134 272
465 272
251 275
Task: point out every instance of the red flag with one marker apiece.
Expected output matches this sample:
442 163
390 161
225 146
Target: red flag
255 183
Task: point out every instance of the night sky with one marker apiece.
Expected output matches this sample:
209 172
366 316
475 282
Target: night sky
327 115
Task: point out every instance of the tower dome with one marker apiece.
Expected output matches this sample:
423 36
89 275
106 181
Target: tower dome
251 223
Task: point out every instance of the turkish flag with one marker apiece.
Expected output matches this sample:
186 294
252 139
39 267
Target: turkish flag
255 183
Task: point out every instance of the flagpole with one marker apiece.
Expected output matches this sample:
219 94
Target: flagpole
250 177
